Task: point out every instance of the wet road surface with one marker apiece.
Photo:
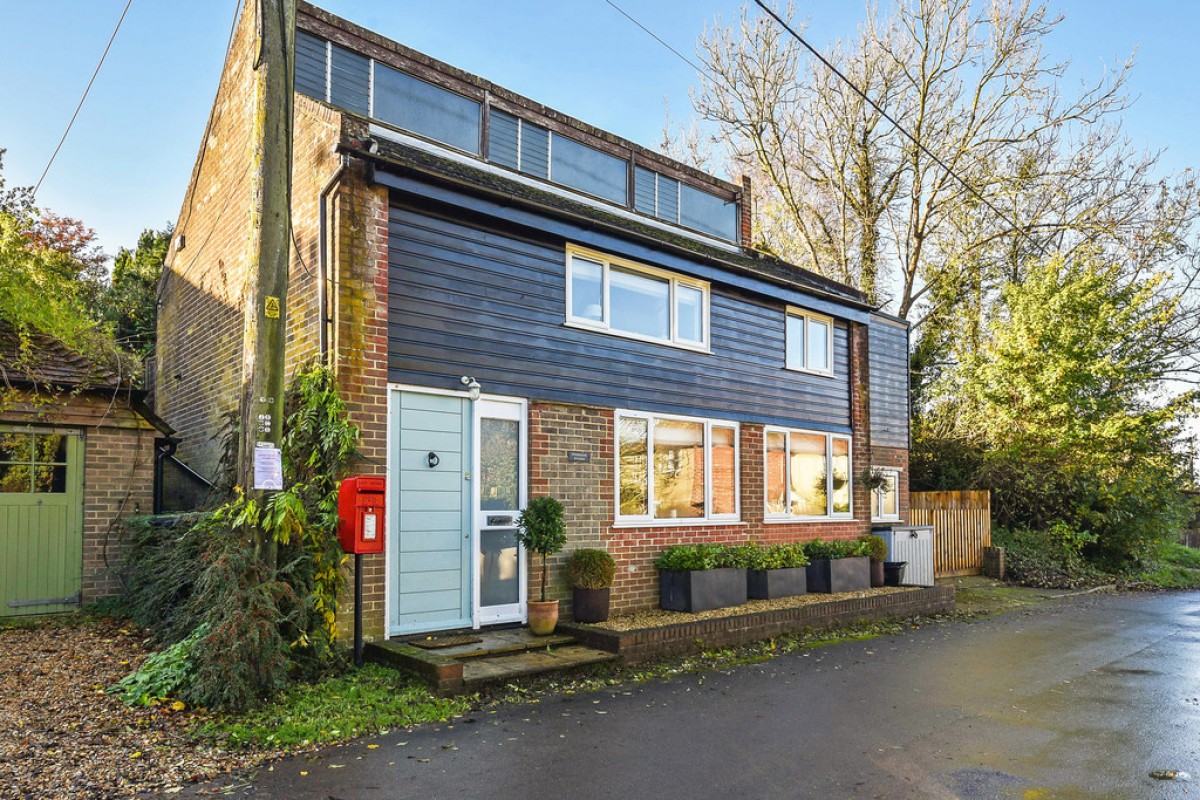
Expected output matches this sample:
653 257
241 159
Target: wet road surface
1078 698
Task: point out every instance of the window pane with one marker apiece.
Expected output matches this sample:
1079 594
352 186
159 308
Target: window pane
678 469
499 464
309 72
776 468
50 480
724 470
16 447
502 139
706 212
423 108
639 304
818 345
634 466
689 313
841 476
795 342
50 448
643 190
535 150
807 472
349 81
888 497
587 289
588 169
14 478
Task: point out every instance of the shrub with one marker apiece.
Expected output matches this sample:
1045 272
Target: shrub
779 556
876 548
817 549
590 568
682 557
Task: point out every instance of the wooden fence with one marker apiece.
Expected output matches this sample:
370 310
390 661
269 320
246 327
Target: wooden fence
962 527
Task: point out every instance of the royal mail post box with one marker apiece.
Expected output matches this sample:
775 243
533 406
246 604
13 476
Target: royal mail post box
360 514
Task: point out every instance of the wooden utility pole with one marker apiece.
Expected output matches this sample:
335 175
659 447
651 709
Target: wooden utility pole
259 466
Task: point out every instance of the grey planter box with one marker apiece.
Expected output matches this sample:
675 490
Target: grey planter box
830 575
701 590
768 584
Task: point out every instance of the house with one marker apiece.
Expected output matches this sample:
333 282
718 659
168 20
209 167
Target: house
519 304
78 448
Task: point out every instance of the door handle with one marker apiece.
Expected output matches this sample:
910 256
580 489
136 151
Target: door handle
433 459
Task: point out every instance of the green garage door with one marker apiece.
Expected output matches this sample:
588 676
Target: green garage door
41 520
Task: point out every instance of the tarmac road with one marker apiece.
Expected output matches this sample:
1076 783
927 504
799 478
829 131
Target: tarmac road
1078 698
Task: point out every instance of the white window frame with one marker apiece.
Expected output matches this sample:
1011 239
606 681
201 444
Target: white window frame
877 514
830 515
809 318
648 519
603 326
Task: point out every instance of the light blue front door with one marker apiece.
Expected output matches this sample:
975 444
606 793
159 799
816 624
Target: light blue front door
431 508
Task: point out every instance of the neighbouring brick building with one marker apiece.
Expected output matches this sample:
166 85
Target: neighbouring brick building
518 304
77 456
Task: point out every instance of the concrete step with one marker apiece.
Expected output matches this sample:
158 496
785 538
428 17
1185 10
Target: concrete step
512 666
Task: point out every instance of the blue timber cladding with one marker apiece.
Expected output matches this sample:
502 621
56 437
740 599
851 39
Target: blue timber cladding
484 300
888 371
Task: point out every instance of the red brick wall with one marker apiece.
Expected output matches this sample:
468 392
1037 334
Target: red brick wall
587 492
118 475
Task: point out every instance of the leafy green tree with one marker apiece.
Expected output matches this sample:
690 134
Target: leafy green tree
1067 404
130 303
47 287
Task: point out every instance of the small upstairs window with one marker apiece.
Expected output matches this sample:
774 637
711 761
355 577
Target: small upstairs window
664 198
809 342
628 299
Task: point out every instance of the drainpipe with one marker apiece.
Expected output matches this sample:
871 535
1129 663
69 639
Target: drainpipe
323 292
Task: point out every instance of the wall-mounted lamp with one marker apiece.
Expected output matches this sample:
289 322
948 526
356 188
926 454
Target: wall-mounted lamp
472 385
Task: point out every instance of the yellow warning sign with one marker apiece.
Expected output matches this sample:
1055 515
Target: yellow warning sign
272 308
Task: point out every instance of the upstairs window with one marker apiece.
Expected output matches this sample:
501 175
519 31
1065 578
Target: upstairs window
518 144
629 299
667 199
807 475
809 342
430 111
352 81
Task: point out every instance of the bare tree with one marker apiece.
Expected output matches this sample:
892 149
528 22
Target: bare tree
842 191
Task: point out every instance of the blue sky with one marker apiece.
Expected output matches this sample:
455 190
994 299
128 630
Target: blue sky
127 161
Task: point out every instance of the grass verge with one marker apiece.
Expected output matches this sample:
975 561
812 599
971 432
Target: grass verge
360 702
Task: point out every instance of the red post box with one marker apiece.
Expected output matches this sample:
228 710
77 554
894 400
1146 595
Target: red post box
360 514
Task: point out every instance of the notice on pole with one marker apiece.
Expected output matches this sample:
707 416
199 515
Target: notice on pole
268 468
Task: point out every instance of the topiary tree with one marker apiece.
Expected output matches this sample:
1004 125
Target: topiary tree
541 529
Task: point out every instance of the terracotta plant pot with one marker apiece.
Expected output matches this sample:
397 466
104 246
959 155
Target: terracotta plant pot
876 574
543 617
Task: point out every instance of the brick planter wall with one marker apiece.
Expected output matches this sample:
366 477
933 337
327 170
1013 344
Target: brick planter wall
705 634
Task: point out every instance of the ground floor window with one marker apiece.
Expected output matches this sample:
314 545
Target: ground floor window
676 468
885 499
808 474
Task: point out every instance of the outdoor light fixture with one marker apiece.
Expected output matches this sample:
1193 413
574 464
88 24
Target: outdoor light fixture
472 385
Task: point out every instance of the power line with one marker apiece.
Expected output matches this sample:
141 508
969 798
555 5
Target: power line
95 72
761 4
654 36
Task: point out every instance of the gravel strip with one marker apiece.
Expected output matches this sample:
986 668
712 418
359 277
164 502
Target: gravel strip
61 736
658 618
